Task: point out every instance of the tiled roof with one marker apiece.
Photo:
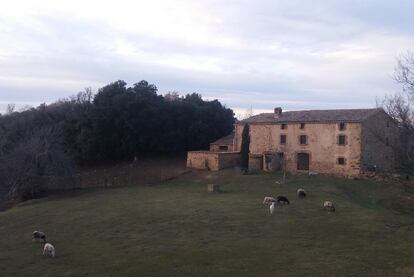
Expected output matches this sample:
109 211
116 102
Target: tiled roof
225 140
346 115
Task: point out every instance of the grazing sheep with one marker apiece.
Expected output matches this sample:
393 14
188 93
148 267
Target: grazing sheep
37 235
312 173
282 200
272 208
328 206
49 250
301 193
268 200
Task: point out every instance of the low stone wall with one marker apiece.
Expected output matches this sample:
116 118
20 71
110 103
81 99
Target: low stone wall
212 160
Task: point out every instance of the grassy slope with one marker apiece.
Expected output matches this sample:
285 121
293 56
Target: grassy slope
177 229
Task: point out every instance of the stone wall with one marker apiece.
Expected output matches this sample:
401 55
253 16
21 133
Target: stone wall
321 146
255 162
215 147
212 160
380 140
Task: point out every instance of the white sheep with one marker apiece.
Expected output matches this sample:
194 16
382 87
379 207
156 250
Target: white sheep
268 200
301 193
272 208
312 173
329 206
49 250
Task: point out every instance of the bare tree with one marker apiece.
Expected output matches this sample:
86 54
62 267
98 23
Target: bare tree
404 72
27 170
10 108
399 106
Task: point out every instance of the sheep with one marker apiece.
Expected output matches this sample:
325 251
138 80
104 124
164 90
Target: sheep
312 173
49 250
37 235
268 200
272 208
282 200
301 193
329 206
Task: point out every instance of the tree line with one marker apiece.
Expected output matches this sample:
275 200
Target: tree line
118 123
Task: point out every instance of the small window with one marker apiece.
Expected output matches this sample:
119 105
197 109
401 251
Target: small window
341 140
387 143
388 124
302 125
342 126
282 139
281 155
340 161
224 147
303 139
283 126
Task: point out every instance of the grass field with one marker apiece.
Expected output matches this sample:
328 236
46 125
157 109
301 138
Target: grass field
177 229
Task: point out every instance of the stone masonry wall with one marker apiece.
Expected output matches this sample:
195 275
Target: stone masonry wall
212 160
321 146
378 131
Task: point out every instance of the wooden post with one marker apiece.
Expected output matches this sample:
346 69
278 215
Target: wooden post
213 188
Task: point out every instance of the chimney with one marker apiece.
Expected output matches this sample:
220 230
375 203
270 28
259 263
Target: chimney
278 111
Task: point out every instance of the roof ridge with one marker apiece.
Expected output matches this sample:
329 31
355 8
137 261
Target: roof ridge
351 115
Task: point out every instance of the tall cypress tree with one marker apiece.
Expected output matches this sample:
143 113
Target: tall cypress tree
245 145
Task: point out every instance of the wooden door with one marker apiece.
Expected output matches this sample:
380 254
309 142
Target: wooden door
303 161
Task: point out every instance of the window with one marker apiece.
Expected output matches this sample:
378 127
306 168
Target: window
388 124
303 139
282 139
341 139
280 155
302 125
224 147
340 161
342 126
283 126
387 143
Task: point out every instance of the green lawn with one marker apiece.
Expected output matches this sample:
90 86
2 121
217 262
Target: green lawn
177 229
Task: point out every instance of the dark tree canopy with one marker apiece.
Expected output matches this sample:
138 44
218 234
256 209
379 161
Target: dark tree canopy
121 122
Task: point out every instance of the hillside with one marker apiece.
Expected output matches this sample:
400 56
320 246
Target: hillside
177 229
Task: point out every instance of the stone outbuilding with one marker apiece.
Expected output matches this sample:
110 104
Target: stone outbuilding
220 155
224 144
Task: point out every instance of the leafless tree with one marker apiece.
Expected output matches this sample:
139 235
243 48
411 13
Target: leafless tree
10 108
172 96
400 106
30 167
404 72
85 96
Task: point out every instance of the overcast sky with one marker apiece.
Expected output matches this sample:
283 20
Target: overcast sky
261 54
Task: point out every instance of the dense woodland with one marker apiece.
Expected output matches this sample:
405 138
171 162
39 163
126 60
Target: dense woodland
118 123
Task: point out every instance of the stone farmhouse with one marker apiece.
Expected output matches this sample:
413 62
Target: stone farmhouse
344 142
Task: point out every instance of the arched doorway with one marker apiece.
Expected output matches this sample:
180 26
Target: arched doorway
303 161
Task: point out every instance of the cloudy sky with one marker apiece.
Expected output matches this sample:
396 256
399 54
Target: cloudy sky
260 54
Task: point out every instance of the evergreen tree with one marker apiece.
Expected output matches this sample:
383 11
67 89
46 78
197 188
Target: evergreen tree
245 145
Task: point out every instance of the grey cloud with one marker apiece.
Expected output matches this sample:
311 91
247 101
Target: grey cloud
295 52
